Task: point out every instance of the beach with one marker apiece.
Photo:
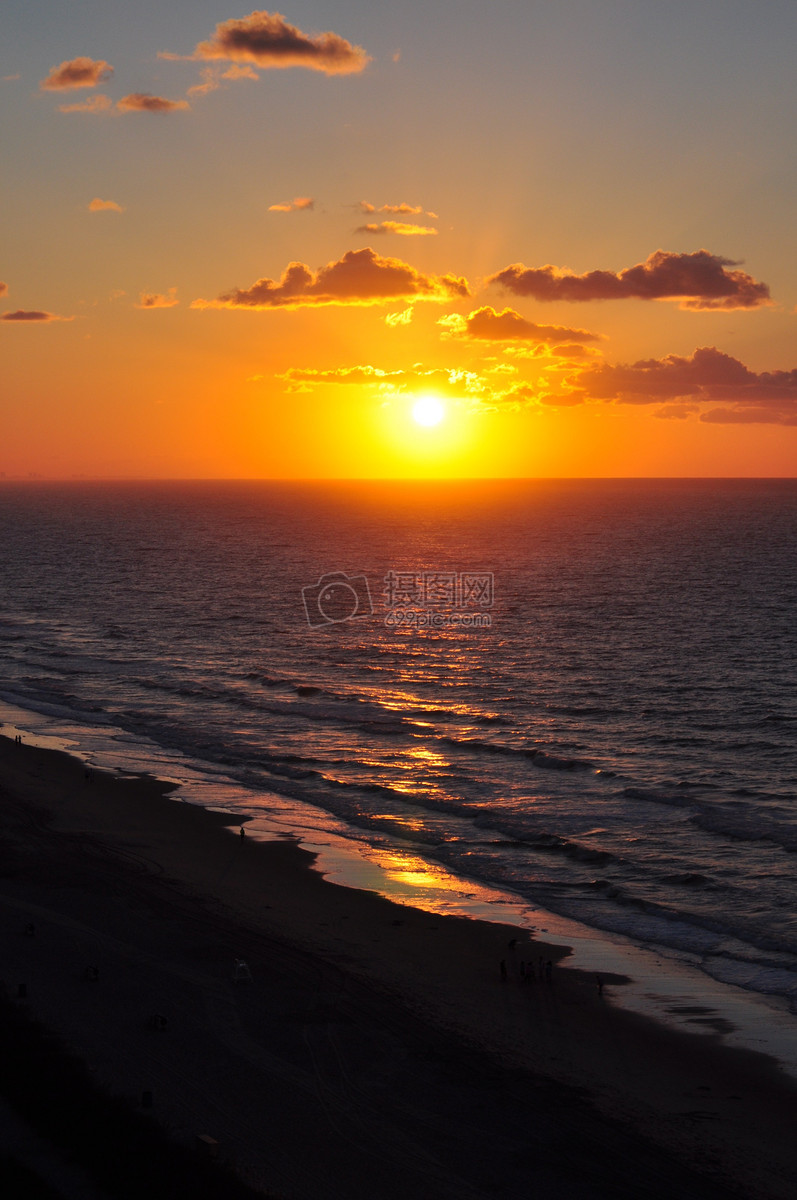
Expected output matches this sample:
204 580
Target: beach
376 1050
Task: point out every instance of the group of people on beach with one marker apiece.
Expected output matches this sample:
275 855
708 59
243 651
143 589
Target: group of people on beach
526 972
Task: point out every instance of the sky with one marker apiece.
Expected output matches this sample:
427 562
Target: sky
438 239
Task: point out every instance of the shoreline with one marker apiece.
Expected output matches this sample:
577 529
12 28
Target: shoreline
659 985
355 967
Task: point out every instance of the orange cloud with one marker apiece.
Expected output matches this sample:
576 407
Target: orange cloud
144 102
708 375
361 277
97 205
3 289
700 280
270 42
299 204
212 78
397 227
94 104
158 300
398 210
443 380
25 315
77 73
400 318
485 324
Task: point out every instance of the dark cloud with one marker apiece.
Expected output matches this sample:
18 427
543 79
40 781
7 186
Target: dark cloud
360 277
77 73
269 41
708 375
762 415
158 299
701 281
22 314
485 324
144 102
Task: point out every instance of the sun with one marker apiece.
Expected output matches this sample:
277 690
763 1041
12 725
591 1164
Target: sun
428 411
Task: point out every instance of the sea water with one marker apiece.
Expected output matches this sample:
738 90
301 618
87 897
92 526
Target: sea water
574 696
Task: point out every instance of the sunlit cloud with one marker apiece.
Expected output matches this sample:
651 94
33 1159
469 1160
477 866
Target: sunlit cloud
94 104
211 82
400 227
77 73
361 277
398 210
399 318
213 78
97 205
299 204
708 376
22 315
11 78
451 382
485 324
3 288
158 299
701 281
270 42
145 102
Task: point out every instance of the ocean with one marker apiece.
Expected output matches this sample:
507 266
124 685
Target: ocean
579 695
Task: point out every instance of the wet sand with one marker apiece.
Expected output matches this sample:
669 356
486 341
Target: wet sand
376 1052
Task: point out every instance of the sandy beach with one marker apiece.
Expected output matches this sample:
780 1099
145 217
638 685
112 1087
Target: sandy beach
376 1050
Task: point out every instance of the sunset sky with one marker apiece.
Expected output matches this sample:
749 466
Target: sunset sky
247 243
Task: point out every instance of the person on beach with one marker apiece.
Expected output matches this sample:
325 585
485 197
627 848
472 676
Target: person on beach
243 833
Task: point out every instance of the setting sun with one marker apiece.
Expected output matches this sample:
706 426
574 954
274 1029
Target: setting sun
428 411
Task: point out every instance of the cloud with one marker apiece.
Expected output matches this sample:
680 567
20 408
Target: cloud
485 324
397 210
359 374
299 204
400 227
361 277
213 76
158 300
94 104
270 42
701 281
708 376
27 315
144 102
97 205
447 381
77 73
400 318
677 412
3 289
764 415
